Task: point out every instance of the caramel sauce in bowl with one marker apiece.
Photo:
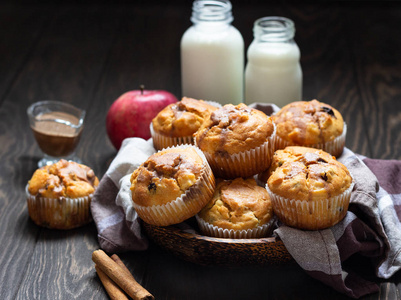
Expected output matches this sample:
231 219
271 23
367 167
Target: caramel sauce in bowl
57 128
57 138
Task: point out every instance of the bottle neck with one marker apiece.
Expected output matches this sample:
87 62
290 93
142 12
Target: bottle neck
211 12
274 29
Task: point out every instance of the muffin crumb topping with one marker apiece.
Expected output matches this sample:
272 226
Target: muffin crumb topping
307 174
63 179
165 176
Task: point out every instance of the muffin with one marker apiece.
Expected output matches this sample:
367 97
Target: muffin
310 124
239 209
176 123
59 195
238 141
172 185
309 188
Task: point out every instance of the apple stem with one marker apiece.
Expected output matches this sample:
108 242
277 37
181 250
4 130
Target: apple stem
142 87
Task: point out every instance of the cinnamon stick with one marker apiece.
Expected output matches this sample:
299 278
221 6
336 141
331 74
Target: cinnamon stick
112 289
120 263
120 276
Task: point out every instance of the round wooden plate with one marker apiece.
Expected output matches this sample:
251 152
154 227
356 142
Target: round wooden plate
206 250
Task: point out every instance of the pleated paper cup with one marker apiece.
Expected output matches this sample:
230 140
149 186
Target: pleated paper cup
311 215
243 164
161 141
334 147
59 213
208 229
185 206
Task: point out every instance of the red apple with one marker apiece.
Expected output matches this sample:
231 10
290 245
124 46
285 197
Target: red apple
130 115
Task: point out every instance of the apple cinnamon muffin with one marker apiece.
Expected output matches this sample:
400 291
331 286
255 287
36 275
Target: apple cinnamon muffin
177 122
59 195
311 124
239 209
309 188
238 141
293 153
172 185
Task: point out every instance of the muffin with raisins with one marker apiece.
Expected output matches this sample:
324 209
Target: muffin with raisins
238 141
311 124
309 188
172 185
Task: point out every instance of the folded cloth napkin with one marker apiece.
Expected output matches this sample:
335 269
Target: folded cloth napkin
371 228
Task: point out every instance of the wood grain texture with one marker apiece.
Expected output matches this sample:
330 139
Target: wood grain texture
62 65
89 53
376 61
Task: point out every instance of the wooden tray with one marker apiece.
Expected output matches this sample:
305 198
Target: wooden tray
206 250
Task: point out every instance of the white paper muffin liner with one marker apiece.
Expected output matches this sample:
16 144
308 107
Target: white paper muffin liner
311 215
185 206
161 141
59 213
208 229
243 164
334 147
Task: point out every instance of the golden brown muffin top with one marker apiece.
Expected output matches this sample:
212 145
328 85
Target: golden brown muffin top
63 179
295 153
307 174
238 204
233 129
308 122
182 118
165 176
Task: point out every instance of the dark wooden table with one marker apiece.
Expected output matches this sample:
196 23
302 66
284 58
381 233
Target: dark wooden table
88 54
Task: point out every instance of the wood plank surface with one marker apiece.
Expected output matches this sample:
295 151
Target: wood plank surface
89 53
65 64
376 59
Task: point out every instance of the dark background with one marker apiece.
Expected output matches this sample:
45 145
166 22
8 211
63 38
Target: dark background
88 53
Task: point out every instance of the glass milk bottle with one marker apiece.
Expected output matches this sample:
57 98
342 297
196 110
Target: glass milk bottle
273 73
212 54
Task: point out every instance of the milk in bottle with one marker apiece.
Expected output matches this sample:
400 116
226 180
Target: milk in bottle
273 73
212 54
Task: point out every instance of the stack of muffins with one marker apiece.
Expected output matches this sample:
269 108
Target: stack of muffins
167 186
235 168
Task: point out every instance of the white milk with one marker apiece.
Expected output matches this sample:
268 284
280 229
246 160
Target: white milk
212 55
273 73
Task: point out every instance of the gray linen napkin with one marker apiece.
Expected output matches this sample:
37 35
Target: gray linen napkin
371 227
117 222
